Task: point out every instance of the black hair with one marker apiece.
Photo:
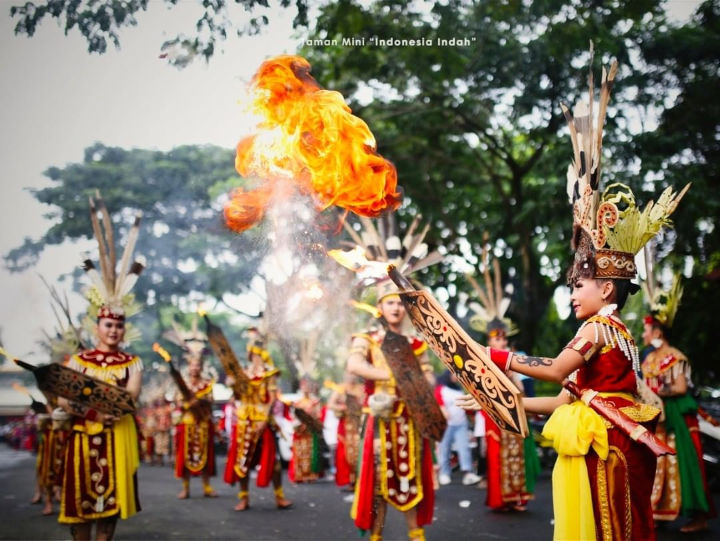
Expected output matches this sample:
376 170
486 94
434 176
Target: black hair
623 288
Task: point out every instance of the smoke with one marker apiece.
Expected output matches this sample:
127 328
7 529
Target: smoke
307 308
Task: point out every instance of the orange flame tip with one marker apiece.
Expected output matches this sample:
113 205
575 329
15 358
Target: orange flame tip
310 139
157 348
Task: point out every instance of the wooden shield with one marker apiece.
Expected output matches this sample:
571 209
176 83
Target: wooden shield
226 355
413 388
313 424
81 388
494 391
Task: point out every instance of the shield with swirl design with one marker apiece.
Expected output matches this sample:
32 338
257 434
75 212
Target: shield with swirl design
478 375
81 388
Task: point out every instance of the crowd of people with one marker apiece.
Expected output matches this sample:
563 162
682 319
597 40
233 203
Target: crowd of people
618 470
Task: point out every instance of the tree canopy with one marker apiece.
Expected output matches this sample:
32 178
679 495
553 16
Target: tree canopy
478 137
101 22
475 129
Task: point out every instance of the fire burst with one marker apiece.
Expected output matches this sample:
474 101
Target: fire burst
308 141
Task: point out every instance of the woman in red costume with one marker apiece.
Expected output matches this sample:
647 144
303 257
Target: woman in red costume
102 452
195 434
603 479
253 439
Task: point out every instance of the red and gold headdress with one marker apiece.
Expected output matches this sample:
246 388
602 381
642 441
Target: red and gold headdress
257 345
110 293
490 311
608 229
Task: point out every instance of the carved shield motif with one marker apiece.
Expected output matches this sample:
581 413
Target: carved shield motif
413 388
83 389
497 395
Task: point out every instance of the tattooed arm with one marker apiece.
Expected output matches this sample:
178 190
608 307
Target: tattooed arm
572 357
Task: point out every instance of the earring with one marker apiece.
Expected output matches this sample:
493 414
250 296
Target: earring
656 342
607 310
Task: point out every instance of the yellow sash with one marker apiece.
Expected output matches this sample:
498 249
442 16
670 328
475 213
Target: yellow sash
573 428
127 461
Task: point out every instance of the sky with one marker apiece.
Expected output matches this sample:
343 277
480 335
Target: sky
57 99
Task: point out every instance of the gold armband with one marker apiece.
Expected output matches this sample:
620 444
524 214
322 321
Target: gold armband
583 346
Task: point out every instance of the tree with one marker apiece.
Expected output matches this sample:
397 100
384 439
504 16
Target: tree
100 22
476 130
191 255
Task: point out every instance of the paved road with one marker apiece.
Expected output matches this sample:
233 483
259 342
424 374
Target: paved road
319 512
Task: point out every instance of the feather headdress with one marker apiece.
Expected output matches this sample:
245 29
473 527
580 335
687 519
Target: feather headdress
383 247
110 293
492 305
66 339
608 230
192 341
663 303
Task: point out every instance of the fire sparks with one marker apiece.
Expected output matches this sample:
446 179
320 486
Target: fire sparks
157 348
314 292
309 141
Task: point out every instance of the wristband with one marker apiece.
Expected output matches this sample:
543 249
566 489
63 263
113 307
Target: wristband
501 358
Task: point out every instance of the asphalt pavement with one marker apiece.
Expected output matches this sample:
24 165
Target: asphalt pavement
320 512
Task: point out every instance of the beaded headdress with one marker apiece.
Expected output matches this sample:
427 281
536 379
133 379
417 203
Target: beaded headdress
608 228
489 317
110 293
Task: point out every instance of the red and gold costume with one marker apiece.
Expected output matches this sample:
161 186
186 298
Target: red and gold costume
348 443
101 462
620 471
603 478
680 481
61 428
252 438
195 437
47 445
305 462
508 474
395 461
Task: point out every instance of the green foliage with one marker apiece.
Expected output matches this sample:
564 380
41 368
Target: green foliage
100 22
191 256
475 131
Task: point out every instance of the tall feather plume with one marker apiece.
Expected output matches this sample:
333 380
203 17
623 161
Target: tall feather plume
97 280
102 248
109 236
492 305
372 231
127 252
127 282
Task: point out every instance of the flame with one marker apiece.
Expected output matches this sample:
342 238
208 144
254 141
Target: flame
157 348
21 389
372 310
201 311
356 261
310 141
